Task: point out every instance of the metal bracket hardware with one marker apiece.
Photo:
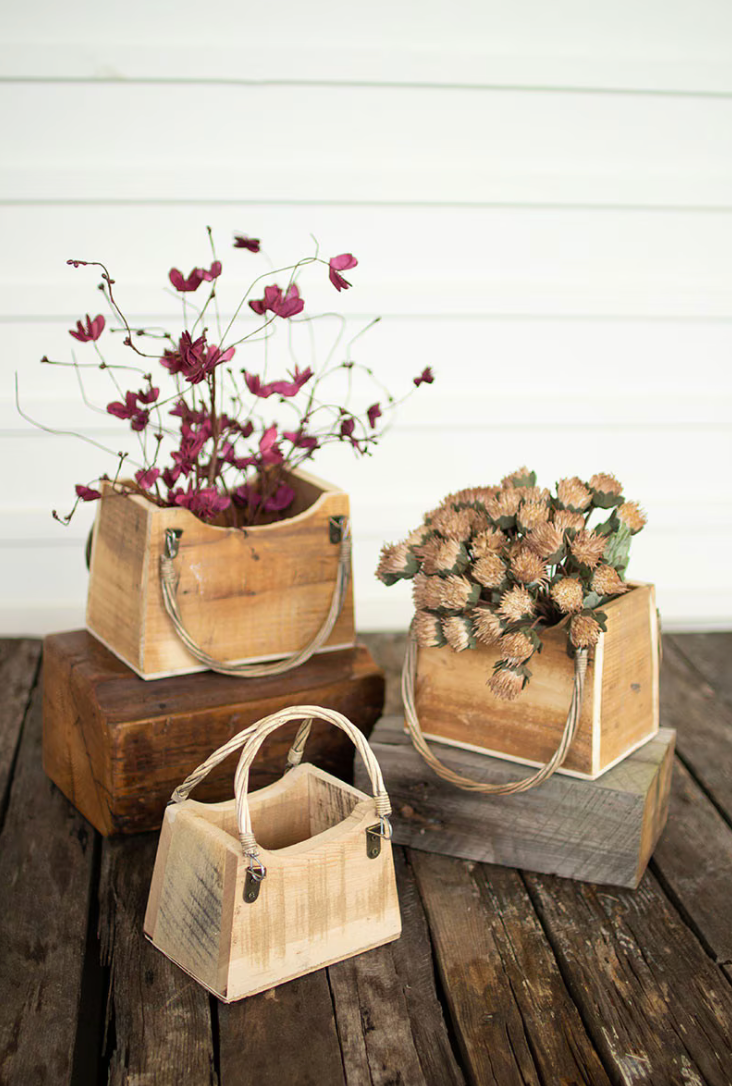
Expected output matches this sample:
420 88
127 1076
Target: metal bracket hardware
251 887
172 541
373 841
335 527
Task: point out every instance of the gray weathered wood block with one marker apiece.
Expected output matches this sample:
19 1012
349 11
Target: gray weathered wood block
597 831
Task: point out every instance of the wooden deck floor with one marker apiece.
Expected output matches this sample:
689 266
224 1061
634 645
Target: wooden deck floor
500 977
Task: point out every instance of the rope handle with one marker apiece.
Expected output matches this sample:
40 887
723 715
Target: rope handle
467 783
251 739
169 588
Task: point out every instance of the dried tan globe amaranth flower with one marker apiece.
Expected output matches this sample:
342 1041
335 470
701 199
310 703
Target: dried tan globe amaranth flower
606 484
526 566
488 542
505 504
584 632
486 625
510 480
573 494
418 537
606 581
515 647
631 514
394 561
506 684
531 514
444 557
535 494
568 595
472 494
458 592
516 604
545 540
453 523
564 518
427 592
490 570
588 548
457 632
428 630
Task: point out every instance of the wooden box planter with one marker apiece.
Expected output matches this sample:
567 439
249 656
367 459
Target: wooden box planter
620 709
249 594
263 888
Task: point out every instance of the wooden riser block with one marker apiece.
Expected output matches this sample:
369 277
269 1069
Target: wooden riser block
117 745
600 831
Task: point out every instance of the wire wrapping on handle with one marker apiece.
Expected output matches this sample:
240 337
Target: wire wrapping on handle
251 739
467 783
169 587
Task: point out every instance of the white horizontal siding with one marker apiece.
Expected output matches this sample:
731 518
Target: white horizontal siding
656 46
539 200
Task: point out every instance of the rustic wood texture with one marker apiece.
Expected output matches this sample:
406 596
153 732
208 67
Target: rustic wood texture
501 979
703 722
619 709
244 594
323 899
644 973
117 746
160 1018
657 1008
601 831
18 670
45 884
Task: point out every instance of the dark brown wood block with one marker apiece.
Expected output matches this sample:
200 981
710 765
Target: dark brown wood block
117 745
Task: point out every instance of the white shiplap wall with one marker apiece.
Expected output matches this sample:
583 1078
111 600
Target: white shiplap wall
539 197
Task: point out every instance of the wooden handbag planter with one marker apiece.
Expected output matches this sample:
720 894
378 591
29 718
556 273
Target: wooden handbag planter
261 889
243 594
619 710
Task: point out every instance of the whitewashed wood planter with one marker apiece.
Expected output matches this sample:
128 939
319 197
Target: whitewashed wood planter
261 889
244 595
620 707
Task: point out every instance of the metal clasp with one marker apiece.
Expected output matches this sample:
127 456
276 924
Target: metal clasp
256 873
374 835
172 541
335 528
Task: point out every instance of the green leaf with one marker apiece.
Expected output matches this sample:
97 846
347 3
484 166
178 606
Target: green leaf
591 600
617 548
606 501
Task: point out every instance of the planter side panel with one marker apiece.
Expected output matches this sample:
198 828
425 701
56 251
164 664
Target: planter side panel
246 595
114 609
629 712
455 705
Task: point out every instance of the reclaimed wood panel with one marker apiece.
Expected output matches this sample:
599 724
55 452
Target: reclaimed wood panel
159 1017
703 723
694 861
657 1009
18 670
117 746
500 978
46 864
710 655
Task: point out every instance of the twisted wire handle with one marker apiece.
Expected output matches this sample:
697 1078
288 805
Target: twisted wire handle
169 588
467 783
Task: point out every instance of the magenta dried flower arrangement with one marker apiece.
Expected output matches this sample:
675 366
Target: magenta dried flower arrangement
208 437
497 565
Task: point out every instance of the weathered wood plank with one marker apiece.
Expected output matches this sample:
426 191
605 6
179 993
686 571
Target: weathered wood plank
711 655
694 861
514 1018
389 1019
388 651
657 1008
703 723
283 1037
162 1020
46 857
18 670
602 830
117 746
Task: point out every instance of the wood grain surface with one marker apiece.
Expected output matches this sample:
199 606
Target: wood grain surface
500 975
